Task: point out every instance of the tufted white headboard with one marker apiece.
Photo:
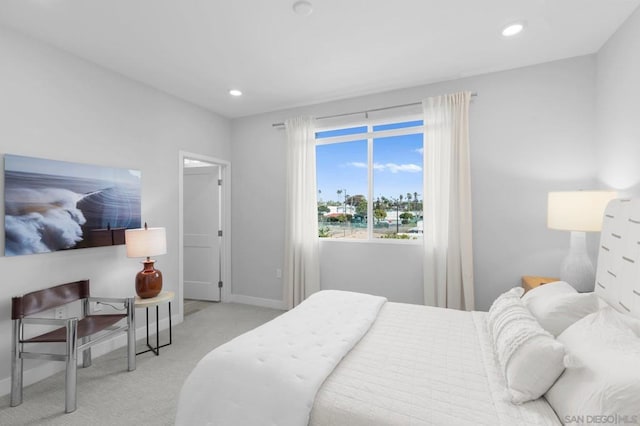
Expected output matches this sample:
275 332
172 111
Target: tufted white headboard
618 274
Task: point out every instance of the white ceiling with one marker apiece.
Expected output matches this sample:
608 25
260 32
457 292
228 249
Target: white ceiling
199 49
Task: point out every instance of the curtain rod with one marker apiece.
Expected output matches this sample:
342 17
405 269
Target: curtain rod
324 117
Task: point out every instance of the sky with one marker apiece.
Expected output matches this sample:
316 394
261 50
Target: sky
397 164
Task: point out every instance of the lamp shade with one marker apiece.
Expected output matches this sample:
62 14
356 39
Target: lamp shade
146 242
577 210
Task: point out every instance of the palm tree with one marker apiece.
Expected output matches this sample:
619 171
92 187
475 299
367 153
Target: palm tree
408 201
398 202
385 202
339 191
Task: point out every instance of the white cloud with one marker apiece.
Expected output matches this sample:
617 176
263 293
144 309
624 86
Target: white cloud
419 150
395 168
391 167
358 165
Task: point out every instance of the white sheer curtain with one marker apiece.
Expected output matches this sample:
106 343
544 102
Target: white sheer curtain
448 257
301 263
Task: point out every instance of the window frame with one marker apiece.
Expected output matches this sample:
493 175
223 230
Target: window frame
369 136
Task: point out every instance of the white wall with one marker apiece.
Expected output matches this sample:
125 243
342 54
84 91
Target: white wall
56 106
381 268
532 131
618 94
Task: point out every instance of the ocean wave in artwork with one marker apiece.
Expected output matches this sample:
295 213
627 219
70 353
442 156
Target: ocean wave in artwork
55 205
41 220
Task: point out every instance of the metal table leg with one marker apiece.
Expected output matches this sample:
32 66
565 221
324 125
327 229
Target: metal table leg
156 350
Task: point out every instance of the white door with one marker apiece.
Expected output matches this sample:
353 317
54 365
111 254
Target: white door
201 216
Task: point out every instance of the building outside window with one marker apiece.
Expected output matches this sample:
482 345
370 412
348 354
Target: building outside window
370 180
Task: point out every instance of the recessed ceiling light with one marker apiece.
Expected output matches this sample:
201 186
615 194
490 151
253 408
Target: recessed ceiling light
303 8
513 29
235 92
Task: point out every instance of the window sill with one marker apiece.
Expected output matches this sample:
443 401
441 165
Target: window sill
385 241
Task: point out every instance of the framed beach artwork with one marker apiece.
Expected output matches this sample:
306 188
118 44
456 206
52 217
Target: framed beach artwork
56 205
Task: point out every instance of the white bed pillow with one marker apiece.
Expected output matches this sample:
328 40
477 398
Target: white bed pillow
557 305
531 359
602 377
502 302
546 291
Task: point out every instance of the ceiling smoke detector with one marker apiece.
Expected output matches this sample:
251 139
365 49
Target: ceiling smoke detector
303 8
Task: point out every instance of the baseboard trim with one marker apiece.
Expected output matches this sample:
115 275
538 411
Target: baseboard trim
258 301
48 369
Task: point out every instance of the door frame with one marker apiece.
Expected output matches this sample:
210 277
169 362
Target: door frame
225 212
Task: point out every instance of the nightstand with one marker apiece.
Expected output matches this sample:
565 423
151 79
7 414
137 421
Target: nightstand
163 297
532 281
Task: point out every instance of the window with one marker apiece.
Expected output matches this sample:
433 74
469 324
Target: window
369 180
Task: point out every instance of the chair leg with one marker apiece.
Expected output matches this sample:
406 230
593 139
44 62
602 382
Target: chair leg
72 364
131 335
16 365
86 354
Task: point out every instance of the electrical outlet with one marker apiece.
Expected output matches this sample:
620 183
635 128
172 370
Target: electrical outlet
60 312
278 273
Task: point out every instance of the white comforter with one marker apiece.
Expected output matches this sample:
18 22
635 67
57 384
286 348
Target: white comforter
420 365
270 375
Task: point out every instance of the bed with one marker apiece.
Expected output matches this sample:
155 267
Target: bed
553 356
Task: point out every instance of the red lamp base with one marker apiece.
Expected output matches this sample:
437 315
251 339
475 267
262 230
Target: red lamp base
148 281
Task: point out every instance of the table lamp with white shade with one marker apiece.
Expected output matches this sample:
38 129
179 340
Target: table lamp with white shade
578 212
147 242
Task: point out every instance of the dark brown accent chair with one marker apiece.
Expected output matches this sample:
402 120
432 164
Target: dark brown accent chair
77 334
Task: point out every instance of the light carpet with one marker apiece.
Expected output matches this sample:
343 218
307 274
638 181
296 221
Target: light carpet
110 395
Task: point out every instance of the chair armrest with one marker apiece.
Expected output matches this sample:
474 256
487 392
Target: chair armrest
127 302
108 299
47 321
